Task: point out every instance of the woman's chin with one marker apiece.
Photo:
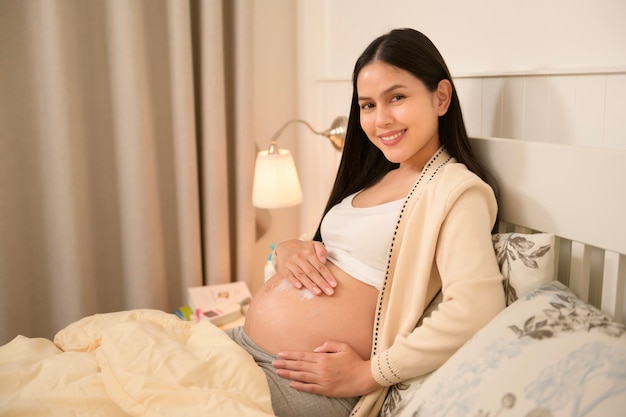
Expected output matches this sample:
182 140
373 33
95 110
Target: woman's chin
393 157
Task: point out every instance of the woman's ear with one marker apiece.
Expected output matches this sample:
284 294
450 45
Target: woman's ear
443 96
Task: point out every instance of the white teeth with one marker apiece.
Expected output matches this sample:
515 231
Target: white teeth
392 137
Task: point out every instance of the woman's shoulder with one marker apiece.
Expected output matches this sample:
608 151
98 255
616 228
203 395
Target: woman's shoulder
455 173
452 182
455 179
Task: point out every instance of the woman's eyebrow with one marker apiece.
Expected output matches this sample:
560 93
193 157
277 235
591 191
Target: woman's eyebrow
386 91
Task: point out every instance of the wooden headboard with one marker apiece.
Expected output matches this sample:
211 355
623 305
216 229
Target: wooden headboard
579 194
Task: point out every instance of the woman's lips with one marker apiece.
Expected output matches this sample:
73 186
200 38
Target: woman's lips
390 139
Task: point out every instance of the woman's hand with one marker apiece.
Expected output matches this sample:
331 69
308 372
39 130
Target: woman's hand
334 369
302 263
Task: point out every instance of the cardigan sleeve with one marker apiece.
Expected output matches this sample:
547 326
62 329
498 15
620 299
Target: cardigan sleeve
471 286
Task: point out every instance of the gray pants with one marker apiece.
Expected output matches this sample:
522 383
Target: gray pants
286 401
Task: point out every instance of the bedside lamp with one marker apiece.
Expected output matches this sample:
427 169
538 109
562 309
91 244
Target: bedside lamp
276 181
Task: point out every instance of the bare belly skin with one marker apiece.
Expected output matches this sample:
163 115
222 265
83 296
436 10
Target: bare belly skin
283 318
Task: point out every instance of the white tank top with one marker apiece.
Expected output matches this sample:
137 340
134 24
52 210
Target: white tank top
357 239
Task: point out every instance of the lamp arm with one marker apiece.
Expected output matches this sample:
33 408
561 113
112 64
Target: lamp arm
279 131
336 133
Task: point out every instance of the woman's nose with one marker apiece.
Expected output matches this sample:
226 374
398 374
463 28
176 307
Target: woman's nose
383 116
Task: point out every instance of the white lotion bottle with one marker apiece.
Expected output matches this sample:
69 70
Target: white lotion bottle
269 271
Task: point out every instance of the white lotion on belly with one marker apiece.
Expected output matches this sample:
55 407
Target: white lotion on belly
305 293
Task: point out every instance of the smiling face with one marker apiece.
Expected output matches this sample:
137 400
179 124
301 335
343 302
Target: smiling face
399 115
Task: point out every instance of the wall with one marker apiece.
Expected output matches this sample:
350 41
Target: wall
547 71
486 36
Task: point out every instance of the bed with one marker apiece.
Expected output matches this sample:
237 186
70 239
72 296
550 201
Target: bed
558 349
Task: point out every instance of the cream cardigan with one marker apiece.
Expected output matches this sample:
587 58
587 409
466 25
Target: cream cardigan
442 241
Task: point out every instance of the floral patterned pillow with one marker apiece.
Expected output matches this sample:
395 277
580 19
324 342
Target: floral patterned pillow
549 354
526 261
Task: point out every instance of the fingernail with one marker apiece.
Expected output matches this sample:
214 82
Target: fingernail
317 291
329 291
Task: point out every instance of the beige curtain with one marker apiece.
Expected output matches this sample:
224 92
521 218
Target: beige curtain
118 187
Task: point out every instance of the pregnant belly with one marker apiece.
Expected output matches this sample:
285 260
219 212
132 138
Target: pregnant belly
281 317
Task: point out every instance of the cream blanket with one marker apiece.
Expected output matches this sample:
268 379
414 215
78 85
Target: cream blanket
137 363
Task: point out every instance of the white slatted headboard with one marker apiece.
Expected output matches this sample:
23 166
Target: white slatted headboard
577 193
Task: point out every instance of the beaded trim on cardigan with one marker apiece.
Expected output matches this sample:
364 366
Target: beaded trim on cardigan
425 172
427 168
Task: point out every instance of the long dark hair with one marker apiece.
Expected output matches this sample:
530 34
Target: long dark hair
362 163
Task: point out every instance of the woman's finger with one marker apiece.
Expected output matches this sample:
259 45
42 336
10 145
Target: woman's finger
317 274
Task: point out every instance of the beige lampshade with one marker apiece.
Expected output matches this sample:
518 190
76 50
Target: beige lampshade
276 182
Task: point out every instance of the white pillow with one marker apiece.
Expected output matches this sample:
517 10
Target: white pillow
526 261
548 354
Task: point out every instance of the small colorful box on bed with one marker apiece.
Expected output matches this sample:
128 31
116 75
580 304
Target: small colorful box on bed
221 314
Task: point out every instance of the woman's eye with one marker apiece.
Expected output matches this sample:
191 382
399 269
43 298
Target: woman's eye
397 97
366 106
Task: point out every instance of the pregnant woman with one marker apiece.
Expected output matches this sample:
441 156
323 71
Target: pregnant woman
409 216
